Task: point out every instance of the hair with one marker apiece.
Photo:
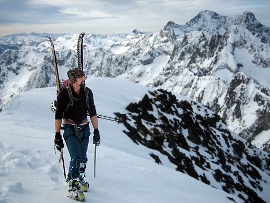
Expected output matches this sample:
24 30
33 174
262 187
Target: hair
75 73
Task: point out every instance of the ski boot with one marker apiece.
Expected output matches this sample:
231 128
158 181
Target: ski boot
83 184
75 191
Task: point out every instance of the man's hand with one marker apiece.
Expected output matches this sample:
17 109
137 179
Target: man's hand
96 137
58 141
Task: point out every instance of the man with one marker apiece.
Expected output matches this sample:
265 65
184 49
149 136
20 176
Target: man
73 103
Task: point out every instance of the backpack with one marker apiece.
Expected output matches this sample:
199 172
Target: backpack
67 85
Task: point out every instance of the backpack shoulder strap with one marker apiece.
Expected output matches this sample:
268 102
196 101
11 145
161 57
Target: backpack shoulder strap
71 98
86 91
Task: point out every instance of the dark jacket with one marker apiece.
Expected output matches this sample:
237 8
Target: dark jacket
78 111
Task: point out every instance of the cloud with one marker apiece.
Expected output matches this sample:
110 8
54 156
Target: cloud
17 11
117 16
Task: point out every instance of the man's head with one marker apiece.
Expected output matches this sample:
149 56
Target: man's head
76 75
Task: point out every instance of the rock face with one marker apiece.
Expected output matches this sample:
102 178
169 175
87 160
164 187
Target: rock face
198 143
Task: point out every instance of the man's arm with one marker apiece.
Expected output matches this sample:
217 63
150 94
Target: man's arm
94 121
57 125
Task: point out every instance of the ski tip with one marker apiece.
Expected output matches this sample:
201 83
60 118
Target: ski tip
81 36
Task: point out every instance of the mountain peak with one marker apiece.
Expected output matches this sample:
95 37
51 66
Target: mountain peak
136 31
198 22
208 12
203 16
249 20
171 25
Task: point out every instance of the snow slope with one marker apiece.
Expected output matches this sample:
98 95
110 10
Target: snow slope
30 171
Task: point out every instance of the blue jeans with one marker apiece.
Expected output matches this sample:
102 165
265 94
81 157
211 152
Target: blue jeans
77 147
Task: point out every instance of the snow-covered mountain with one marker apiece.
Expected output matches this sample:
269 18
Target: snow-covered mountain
199 160
218 61
198 143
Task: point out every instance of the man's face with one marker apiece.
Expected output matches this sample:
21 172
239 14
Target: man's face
81 81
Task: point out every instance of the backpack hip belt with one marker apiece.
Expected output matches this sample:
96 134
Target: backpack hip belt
71 122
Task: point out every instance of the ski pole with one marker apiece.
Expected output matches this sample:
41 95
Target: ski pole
95 155
107 118
63 163
117 119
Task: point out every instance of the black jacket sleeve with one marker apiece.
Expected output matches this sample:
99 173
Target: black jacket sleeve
91 103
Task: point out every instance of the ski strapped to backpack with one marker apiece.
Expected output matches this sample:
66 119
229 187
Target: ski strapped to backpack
55 65
80 51
61 159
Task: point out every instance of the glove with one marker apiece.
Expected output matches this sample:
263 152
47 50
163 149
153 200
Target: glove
96 137
58 142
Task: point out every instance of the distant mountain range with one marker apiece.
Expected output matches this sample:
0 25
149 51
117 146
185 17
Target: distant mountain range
221 62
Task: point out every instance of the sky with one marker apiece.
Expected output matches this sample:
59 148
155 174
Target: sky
114 17
125 173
